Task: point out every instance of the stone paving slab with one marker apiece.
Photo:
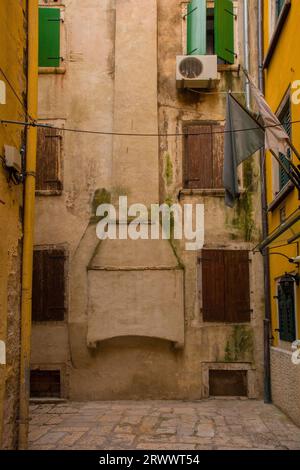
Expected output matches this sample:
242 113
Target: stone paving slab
211 424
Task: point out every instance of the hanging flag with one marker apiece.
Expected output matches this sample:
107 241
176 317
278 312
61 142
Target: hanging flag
243 137
276 138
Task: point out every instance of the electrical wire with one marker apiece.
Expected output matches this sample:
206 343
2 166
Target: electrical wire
132 134
86 131
16 94
291 260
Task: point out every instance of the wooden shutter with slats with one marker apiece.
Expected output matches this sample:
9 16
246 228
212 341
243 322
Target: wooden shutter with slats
225 286
204 154
48 287
224 30
213 285
237 292
285 119
48 159
49 37
196 27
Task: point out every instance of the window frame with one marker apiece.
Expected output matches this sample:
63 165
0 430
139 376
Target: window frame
60 159
281 341
210 5
186 125
244 249
276 25
278 191
61 69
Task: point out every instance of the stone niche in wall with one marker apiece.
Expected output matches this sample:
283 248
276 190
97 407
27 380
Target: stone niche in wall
135 288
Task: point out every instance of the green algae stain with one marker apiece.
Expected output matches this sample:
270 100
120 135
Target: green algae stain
240 344
168 170
101 196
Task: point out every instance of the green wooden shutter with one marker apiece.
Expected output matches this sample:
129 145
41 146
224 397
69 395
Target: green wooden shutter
196 27
49 37
224 30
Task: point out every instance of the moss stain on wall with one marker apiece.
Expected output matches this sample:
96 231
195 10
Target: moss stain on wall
168 170
101 196
240 344
243 219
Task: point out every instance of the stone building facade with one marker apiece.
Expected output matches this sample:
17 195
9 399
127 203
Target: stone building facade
138 319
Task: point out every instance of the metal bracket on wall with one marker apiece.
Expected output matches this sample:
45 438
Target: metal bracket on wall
187 14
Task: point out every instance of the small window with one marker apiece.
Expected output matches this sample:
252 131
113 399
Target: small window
210 30
45 383
286 309
203 156
225 286
48 165
48 286
49 37
285 119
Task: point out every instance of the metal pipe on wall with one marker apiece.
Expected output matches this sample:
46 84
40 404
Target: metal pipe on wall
246 50
29 197
265 230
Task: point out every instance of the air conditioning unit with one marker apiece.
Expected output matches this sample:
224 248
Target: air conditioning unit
197 71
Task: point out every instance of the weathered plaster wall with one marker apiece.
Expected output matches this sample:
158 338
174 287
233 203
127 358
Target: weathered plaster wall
13 63
120 77
224 228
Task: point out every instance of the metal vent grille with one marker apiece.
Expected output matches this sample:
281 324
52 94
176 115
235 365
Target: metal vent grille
190 67
45 383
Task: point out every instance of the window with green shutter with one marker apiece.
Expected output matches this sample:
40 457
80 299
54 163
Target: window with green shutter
224 30
286 309
211 30
196 27
49 37
285 119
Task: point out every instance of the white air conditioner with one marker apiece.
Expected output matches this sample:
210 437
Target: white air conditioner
197 71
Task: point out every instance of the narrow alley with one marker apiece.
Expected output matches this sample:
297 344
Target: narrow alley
149 230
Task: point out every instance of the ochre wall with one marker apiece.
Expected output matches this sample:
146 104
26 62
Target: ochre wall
12 61
280 74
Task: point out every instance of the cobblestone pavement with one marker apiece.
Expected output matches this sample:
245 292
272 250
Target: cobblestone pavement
171 425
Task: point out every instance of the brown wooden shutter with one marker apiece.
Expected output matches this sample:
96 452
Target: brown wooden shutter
213 285
218 155
48 159
237 286
37 285
198 161
48 285
55 261
225 286
204 150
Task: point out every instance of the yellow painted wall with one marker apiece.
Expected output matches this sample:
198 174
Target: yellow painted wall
12 62
282 71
